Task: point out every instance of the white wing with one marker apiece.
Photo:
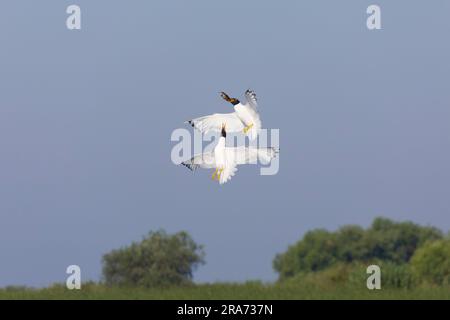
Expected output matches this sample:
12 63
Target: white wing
205 160
244 155
214 123
250 95
234 157
251 109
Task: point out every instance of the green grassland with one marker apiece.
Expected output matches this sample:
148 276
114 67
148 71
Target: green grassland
240 291
323 265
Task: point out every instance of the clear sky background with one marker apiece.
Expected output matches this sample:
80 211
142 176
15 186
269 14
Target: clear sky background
86 118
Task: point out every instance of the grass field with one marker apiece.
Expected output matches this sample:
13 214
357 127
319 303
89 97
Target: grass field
225 291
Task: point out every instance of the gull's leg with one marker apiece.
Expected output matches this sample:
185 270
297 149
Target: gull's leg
214 175
219 174
247 128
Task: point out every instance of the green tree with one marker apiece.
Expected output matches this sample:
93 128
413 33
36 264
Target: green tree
431 262
350 244
396 241
385 240
315 252
158 260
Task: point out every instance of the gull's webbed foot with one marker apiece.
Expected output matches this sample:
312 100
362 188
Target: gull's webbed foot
214 175
219 174
247 128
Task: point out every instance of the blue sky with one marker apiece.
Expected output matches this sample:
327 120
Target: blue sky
86 118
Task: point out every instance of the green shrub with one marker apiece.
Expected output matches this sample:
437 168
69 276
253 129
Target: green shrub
158 260
385 240
392 275
355 275
315 252
431 262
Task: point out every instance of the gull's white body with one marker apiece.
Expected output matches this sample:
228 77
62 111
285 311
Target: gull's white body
220 156
245 114
228 158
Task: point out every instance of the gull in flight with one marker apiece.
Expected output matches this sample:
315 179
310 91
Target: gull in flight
226 159
245 117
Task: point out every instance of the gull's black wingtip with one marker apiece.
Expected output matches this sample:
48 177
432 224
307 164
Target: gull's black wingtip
190 122
187 165
190 166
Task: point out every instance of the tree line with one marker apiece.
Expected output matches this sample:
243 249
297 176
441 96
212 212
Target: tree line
411 254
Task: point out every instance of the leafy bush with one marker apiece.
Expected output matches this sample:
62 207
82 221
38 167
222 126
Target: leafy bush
385 240
396 275
158 260
315 252
392 241
431 262
354 275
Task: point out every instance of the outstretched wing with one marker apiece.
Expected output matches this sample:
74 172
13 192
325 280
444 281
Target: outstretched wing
251 155
244 155
215 121
251 107
205 160
250 95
